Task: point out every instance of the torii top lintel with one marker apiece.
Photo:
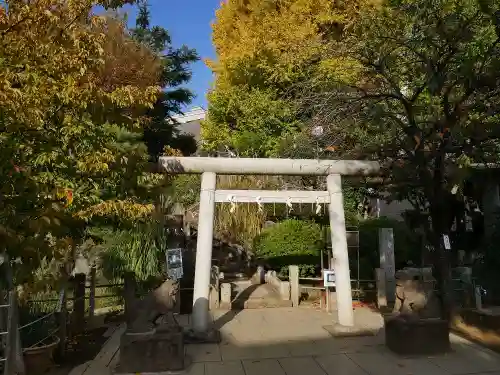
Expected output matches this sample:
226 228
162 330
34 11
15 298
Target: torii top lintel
250 166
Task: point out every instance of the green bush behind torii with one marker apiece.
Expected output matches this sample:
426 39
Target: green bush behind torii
291 242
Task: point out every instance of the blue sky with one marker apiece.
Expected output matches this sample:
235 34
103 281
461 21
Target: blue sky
188 22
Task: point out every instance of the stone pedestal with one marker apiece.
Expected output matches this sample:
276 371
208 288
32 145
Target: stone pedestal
338 330
414 336
157 351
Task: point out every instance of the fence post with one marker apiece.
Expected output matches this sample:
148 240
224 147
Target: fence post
4 313
14 364
225 296
62 318
92 292
79 301
293 272
214 289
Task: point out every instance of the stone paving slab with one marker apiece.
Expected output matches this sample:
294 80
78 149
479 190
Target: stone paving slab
263 367
301 366
291 341
339 364
229 367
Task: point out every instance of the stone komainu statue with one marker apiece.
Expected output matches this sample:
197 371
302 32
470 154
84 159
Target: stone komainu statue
415 294
155 309
416 327
153 341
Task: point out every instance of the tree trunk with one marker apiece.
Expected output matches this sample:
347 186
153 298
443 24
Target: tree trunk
440 226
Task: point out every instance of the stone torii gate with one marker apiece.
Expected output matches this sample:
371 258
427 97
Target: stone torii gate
210 167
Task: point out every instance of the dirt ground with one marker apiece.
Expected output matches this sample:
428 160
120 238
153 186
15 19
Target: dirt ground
489 338
83 347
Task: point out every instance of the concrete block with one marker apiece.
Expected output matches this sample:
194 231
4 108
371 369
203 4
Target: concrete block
225 296
285 290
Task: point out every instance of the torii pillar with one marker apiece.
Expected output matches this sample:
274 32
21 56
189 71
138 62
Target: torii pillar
210 167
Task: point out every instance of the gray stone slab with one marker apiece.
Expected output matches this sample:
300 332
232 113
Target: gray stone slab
203 353
339 364
307 348
195 369
381 364
270 351
233 352
467 360
301 366
263 367
224 368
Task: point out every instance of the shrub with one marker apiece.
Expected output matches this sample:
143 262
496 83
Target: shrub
291 242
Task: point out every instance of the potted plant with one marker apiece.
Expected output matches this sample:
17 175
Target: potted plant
38 329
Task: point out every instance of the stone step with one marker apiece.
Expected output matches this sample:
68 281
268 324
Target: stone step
261 296
261 303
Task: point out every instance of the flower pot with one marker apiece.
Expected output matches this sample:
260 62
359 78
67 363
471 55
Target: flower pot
38 360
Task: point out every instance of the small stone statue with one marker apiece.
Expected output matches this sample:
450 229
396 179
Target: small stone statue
157 304
153 341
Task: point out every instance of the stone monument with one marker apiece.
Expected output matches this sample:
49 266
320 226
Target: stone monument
415 326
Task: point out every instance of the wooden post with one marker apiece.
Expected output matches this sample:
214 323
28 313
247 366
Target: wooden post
92 292
14 364
62 318
294 285
79 302
4 301
129 296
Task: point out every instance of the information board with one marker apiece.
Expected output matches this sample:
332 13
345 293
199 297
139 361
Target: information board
329 278
174 263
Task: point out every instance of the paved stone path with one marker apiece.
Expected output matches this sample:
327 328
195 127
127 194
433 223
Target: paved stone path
292 341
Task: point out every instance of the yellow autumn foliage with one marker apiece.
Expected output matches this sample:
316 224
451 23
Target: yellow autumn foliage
71 87
280 38
265 49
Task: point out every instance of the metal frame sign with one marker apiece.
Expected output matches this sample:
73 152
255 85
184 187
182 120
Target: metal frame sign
174 263
329 278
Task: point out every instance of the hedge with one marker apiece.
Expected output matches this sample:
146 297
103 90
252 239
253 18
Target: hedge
291 242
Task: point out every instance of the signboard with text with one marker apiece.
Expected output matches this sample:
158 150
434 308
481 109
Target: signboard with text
329 278
174 263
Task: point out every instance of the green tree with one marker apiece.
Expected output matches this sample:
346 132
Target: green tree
62 118
422 97
264 49
292 242
162 130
